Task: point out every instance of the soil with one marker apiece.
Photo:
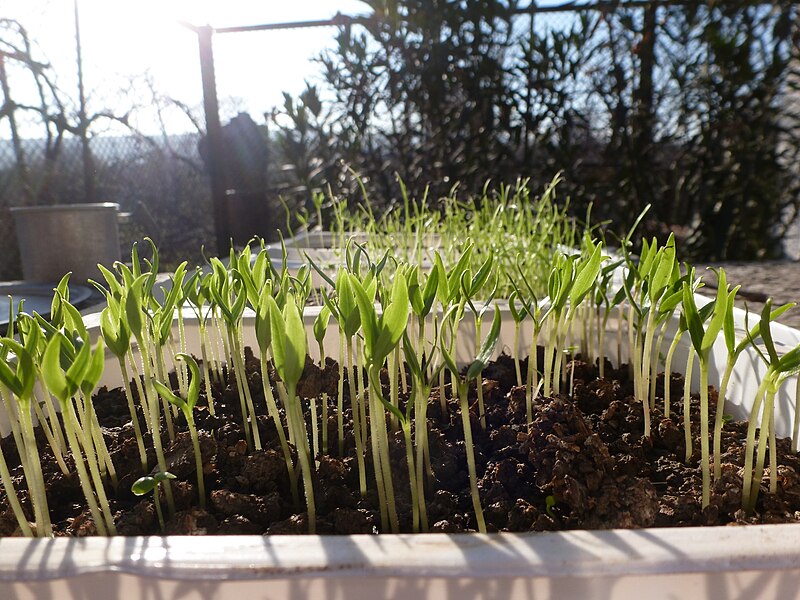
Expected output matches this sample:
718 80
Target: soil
582 463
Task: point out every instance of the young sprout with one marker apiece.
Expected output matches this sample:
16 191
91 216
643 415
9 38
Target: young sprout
657 290
119 330
669 304
117 337
194 290
290 347
135 310
586 272
537 312
230 295
82 368
320 328
705 312
562 276
20 381
75 328
421 387
779 368
603 306
149 483
91 377
449 294
474 369
637 314
264 338
703 339
13 498
519 316
5 475
187 408
734 351
687 400
382 333
470 286
347 314
32 337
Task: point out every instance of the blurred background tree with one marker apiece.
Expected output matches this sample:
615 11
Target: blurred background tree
689 107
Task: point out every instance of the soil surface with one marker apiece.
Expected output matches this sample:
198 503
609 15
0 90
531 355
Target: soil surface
581 463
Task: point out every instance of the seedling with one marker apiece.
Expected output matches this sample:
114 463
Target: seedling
20 382
382 333
474 369
779 369
82 366
289 350
382 310
320 328
150 483
264 338
703 339
186 405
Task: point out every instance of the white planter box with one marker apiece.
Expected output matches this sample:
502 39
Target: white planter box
326 250
717 562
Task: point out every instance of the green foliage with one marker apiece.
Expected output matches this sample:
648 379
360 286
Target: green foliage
148 483
377 305
289 341
695 98
19 380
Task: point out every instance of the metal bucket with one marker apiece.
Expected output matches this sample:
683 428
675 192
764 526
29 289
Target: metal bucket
54 240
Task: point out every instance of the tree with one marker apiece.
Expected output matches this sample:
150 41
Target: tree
681 107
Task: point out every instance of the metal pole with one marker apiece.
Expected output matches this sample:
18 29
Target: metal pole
83 123
214 139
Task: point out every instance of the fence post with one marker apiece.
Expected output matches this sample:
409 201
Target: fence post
214 137
83 123
642 137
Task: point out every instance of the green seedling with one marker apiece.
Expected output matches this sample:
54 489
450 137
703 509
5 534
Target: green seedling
537 311
264 338
186 406
117 337
82 366
345 311
150 483
518 315
734 352
470 286
19 380
194 290
422 383
382 333
779 369
703 339
32 337
290 347
230 295
320 328
137 317
474 369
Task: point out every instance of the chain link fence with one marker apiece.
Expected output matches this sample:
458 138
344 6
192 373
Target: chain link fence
52 153
159 185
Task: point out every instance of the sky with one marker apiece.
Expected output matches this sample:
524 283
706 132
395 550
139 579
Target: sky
142 41
133 48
